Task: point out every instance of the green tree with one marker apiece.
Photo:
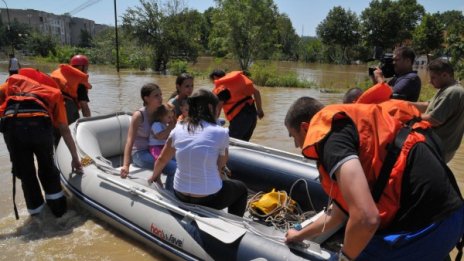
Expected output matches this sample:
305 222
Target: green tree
455 50
428 36
182 31
13 36
340 31
245 28
207 27
453 21
86 39
41 44
311 50
169 32
287 39
387 23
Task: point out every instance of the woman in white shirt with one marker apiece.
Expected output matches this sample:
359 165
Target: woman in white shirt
200 147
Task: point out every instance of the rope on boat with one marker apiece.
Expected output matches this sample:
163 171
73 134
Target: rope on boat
285 215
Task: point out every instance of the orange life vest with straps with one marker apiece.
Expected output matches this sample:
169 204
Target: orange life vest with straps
68 79
37 88
377 126
241 90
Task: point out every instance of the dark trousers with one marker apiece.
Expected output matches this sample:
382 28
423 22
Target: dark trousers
26 138
244 123
232 195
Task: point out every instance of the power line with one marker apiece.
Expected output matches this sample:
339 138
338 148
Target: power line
82 7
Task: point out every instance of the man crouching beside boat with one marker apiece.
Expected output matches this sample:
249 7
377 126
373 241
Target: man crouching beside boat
402 207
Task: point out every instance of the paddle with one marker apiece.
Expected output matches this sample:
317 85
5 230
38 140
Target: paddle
218 228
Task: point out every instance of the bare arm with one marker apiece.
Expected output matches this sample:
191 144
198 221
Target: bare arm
166 155
222 160
259 108
364 218
134 125
66 134
378 77
421 106
329 220
219 108
429 118
85 108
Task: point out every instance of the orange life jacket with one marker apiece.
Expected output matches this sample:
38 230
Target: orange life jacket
68 79
21 88
2 92
377 126
241 90
376 94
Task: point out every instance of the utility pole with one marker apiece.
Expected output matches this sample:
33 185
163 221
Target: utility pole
116 35
9 26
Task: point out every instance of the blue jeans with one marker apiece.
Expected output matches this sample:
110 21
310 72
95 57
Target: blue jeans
144 159
431 243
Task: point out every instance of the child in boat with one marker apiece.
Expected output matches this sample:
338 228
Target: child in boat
184 109
160 129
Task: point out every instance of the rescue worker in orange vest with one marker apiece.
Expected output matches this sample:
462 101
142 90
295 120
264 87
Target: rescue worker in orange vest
240 100
402 207
31 105
73 81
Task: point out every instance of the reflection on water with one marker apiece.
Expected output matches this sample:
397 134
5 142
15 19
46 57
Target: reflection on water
78 236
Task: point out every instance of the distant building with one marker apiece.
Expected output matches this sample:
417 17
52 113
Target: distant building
64 28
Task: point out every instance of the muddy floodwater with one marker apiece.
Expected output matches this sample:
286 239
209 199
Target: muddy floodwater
79 236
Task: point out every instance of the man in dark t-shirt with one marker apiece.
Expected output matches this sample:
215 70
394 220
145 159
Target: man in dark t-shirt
406 84
418 207
424 204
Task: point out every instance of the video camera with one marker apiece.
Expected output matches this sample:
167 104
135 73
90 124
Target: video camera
386 63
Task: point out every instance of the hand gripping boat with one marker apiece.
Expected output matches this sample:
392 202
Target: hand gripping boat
184 231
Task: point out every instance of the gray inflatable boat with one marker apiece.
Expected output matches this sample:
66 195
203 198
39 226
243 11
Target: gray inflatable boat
183 231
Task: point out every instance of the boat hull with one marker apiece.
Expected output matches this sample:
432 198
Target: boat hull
155 217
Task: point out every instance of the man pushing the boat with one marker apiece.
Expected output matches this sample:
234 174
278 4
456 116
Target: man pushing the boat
385 179
31 105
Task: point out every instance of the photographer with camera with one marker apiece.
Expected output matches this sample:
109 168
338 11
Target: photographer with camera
406 83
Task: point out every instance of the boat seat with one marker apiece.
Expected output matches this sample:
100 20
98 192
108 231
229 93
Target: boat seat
101 139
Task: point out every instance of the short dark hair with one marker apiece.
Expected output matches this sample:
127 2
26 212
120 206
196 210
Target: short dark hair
407 53
352 95
147 89
217 73
302 110
440 65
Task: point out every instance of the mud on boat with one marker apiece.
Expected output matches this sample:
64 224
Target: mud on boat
155 217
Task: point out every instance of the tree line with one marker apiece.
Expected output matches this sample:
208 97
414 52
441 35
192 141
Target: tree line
156 33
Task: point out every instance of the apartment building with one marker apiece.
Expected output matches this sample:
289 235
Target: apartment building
64 28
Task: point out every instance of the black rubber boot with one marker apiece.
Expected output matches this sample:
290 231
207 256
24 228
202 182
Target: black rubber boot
58 206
